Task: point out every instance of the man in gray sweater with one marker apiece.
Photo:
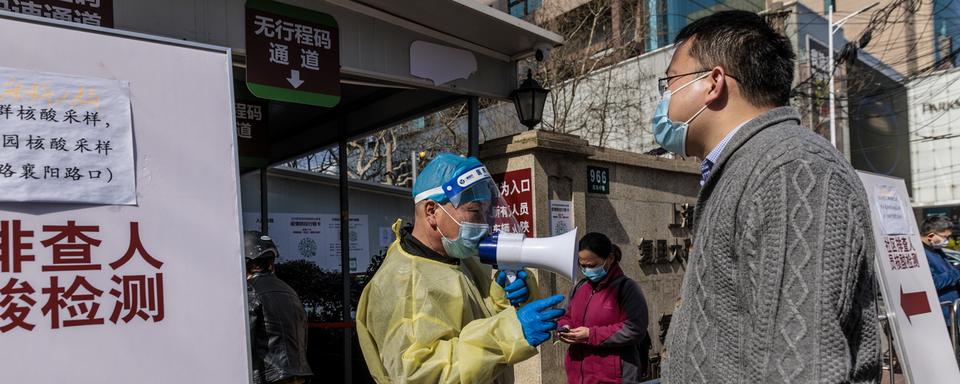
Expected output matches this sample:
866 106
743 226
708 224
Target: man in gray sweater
780 286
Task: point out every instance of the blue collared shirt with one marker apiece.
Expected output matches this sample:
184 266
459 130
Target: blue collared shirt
707 164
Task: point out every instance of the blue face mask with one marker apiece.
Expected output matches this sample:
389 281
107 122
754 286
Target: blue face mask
467 242
670 134
595 274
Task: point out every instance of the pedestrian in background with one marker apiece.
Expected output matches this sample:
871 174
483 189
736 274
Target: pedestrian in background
935 231
606 320
278 322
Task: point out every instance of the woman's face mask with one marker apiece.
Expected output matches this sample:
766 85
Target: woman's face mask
467 242
597 273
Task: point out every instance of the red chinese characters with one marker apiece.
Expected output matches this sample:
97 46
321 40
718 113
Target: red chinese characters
901 253
13 246
141 295
136 246
516 189
75 253
70 275
79 301
15 305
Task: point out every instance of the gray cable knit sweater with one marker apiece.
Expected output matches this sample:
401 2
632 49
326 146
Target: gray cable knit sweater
780 286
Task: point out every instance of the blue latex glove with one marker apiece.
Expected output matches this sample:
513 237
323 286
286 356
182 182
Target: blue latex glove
537 319
517 291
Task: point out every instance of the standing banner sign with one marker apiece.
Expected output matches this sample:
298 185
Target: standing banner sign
143 285
916 320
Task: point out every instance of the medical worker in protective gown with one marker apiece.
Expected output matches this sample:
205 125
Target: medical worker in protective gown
432 313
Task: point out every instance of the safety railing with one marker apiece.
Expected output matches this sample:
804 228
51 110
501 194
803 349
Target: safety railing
885 326
953 307
953 330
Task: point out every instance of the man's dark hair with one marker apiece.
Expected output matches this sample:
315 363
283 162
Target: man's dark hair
934 224
742 43
597 243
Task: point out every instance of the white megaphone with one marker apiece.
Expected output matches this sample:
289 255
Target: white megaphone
511 252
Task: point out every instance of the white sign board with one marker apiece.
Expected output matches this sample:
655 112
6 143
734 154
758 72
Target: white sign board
151 293
316 238
913 308
561 217
65 139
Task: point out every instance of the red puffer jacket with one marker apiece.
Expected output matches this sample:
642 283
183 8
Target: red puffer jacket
616 313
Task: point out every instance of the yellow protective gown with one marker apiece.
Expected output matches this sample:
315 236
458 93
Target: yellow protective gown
424 321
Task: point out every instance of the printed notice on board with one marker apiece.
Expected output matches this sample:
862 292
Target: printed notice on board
893 218
561 217
65 139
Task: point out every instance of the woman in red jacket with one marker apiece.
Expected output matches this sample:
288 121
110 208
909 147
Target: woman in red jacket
606 319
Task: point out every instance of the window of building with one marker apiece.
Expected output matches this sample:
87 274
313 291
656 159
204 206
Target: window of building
604 25
630 11
522 8
945 16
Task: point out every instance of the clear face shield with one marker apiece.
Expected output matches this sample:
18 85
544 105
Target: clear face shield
476 199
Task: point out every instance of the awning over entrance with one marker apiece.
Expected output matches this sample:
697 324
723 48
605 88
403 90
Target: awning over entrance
379 88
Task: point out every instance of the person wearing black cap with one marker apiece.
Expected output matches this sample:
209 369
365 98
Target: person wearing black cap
278 322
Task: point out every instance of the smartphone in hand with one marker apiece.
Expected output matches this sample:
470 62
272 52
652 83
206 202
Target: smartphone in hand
563 329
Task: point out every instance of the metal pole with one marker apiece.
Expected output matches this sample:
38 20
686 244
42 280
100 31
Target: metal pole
264 211
413 166
953 326
833 122
952 315
473 126
892 349
345 255
885 327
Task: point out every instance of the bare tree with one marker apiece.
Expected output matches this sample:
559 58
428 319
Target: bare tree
386 156
594 92
319 162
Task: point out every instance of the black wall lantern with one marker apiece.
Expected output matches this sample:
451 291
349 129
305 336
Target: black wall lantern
529 100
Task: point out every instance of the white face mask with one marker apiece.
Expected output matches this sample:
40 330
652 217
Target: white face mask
467 242
672 135
935 244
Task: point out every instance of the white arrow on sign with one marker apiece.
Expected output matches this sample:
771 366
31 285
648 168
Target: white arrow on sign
294 78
